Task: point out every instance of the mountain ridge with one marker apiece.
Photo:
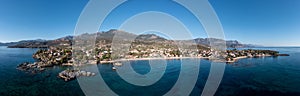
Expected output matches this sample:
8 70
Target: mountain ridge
109 35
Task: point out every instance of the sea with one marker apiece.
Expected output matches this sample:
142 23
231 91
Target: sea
267 76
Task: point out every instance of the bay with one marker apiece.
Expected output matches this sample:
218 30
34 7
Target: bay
271 76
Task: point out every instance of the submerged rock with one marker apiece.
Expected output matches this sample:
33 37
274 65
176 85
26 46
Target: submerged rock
30 67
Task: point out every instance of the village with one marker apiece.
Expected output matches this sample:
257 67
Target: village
104 54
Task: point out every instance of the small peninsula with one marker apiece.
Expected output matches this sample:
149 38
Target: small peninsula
143 47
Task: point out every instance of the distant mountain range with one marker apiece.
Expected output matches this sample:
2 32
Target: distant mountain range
107 36
39 43
229 43
21 42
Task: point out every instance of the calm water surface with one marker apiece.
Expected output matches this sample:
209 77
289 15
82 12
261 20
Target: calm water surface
248 77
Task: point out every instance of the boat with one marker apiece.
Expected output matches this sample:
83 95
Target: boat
114 68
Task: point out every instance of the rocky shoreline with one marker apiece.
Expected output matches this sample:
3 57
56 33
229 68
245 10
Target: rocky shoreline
235 55
55 56
69 74
28 67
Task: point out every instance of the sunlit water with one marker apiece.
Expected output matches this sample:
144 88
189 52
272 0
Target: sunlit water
248 77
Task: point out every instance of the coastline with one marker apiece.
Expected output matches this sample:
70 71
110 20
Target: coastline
138 59
174 58
245 57
59 81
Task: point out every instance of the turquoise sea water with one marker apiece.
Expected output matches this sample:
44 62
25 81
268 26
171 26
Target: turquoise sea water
248 77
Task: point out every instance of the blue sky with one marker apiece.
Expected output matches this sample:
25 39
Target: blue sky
262 22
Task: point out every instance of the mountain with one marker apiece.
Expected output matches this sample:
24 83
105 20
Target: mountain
2 44
114 34
67 38
21 42
123 36
150 37
40 43
8 44
229 43
108 36
235 44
